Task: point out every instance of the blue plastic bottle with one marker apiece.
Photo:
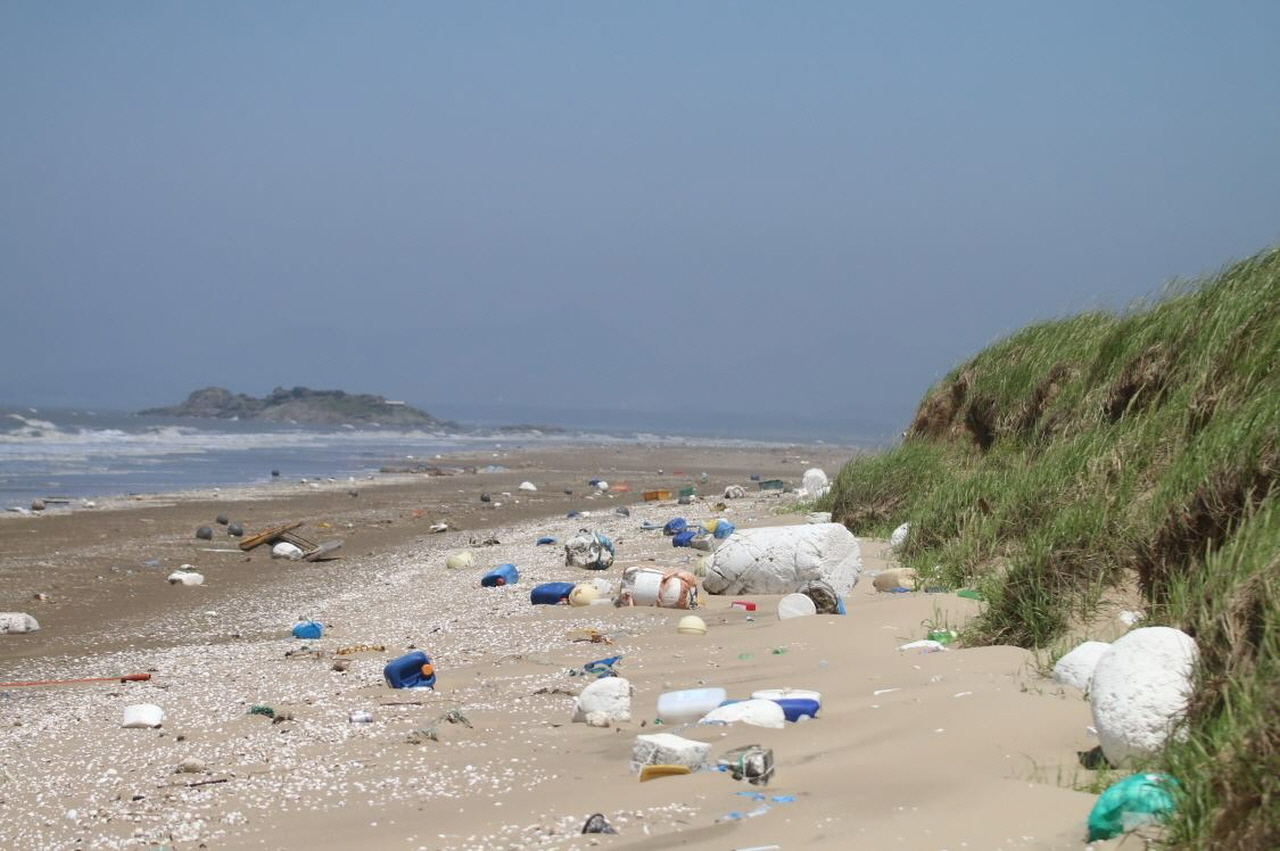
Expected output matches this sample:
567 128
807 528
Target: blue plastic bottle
309 630
550 593
503 574
413 670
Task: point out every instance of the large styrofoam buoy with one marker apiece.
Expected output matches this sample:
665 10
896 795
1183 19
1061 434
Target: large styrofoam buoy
1076 667
780 559
1139 691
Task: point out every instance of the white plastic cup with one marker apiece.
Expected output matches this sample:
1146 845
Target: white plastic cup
795 606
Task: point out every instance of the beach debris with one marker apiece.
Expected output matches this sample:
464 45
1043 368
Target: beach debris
308 630
1139 691
588 549
780 559
757 713
656 495
528 486
551 593
971 594
924 645
1130 618
235 530
599 669
503 574
607 699
545 540
222 520
584 594
679 707
815 483
17 623
686 499
437 528
796 606
1076 667
360 648
655 772
675 526
735 492
753 763
825 599
190 765
261 709
127 678
360 716
141 716
596 823
899 537
490 541
593 636
1134 802
461 560
485 497
743 605
287 550
655 586
622 511
186 577
38 505
691 625
204 533
667 749
413 670
894 578
815 517
339 665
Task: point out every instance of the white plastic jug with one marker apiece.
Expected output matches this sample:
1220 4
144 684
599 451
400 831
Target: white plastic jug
679 707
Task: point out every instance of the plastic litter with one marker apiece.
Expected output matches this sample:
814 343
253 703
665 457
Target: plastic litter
597 824
796 606
753 763
590 550
551 593
653 586
675 526
503 574
677 707
691 625
1133 802
413 670
142 716
544 541
308 630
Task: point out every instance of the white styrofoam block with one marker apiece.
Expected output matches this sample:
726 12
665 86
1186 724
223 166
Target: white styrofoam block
815 483
899 536
1139 691
1076 667
284 549
17 623
609 695
780 559
667 749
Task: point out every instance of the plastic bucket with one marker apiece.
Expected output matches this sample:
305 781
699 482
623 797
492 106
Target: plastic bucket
679 707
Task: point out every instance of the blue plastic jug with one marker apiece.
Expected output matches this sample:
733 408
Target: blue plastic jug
550 593
413 670
675 526
309 630
503 574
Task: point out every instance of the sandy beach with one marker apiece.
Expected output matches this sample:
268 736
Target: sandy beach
968 748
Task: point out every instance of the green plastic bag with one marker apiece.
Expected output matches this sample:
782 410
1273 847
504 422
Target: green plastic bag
1137 800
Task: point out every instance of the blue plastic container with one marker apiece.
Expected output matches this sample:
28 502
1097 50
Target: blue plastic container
309 630
675 526
794 707
682 539
503 574
550 593
413 670
543 541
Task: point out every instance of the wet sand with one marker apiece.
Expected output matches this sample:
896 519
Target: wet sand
961 749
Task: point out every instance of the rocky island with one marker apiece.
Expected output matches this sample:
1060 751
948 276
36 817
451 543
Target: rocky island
301 404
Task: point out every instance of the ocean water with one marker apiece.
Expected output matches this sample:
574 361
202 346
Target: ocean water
80 454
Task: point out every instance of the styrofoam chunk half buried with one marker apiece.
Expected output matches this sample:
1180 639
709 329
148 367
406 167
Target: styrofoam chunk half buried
15 623
142 716
924 646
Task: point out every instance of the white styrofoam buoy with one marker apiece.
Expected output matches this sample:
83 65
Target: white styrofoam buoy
17 623
1139 691
757 713
1076 667
610 696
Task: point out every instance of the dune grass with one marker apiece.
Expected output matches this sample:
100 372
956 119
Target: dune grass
1119 450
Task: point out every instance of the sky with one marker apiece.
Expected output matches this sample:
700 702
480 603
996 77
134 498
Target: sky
810 210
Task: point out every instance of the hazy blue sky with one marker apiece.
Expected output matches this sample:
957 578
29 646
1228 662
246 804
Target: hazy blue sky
691 205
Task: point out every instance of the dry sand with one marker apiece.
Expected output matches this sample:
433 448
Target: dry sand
968 748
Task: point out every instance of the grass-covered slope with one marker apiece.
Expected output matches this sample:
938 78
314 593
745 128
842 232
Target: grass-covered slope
1106 451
